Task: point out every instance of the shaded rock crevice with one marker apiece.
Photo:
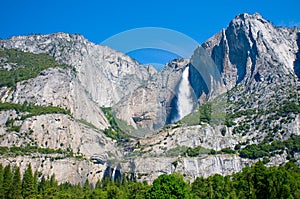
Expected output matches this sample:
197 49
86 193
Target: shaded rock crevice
297 60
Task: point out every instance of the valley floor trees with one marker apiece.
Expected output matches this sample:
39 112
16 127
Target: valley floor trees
257 181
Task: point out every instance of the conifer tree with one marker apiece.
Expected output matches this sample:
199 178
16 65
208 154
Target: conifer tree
7 180
28 184
86 187
41 186
53 182
1 182
16 186
35 181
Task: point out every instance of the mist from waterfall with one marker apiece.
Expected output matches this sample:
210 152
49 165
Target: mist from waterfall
185 103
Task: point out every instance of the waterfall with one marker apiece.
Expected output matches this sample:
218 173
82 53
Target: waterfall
185 102
113 174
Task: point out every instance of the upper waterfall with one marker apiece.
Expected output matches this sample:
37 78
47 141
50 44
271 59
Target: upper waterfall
185 94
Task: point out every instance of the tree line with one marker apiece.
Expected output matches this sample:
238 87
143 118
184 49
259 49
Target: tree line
257 181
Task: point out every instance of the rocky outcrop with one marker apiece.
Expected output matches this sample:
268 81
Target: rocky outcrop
248 46
105 74
187 136
57 87
57 131
149 168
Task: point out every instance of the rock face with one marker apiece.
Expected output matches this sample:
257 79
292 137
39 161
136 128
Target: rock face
248 72
105 74
149 106
58 87
249 46
150 168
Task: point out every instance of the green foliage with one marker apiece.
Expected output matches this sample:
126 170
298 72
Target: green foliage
287 108
202 115
178 150
194 152
260 150
87 123
114 131
28 190
16 186
259 181
7 181
31 110
28 149
223 131
168 186
256 181
30 65
215 186
136 190
228 151
28 110
190 119
228 121
1 182
205 113
231 116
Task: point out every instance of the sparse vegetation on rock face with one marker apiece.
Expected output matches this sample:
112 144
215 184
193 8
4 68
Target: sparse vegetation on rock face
52 88
114 131
17 66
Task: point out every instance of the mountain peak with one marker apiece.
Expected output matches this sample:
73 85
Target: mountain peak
245 16
247 19
247 43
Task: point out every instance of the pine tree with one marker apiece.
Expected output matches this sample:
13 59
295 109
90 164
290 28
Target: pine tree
16 186
53 182
41 186
28 184
86 186
98 184
1 182
7 180
51 186
35 181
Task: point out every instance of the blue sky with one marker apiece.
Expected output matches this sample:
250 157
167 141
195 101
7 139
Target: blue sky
99 20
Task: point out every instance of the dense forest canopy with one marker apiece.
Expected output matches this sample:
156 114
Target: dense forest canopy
257 181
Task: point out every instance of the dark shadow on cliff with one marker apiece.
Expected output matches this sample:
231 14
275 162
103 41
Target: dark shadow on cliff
172 110
197 82
297 60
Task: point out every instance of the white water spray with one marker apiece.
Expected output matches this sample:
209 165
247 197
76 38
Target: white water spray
113 174
185 102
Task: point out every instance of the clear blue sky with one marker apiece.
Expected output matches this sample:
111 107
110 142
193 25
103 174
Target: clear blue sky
98 20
